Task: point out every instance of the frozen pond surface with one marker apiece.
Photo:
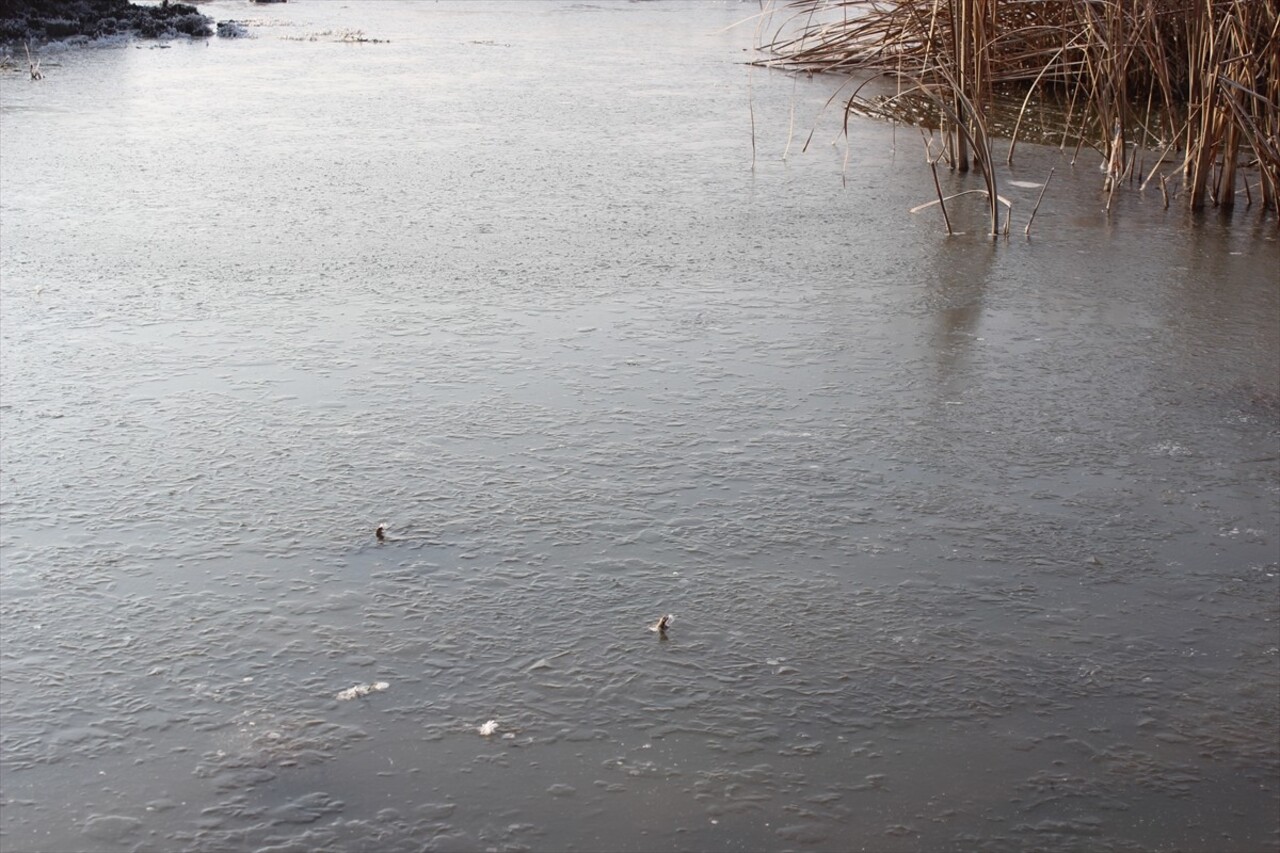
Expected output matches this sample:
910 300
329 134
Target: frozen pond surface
971 546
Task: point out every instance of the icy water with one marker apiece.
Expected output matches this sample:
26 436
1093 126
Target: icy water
970 545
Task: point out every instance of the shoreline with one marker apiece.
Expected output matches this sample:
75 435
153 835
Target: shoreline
39 22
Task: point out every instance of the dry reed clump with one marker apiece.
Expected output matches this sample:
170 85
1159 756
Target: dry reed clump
1195 81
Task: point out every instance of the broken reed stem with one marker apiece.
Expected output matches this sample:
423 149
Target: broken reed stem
937 185
791 122
1032 218
33 65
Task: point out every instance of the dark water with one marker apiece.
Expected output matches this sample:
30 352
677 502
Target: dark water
970 545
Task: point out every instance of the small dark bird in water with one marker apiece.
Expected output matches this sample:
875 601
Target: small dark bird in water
381 533
660 627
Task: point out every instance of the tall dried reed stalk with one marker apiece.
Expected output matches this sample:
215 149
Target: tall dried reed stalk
1197 81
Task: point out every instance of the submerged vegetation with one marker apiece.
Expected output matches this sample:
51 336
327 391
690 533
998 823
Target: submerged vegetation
1194 84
